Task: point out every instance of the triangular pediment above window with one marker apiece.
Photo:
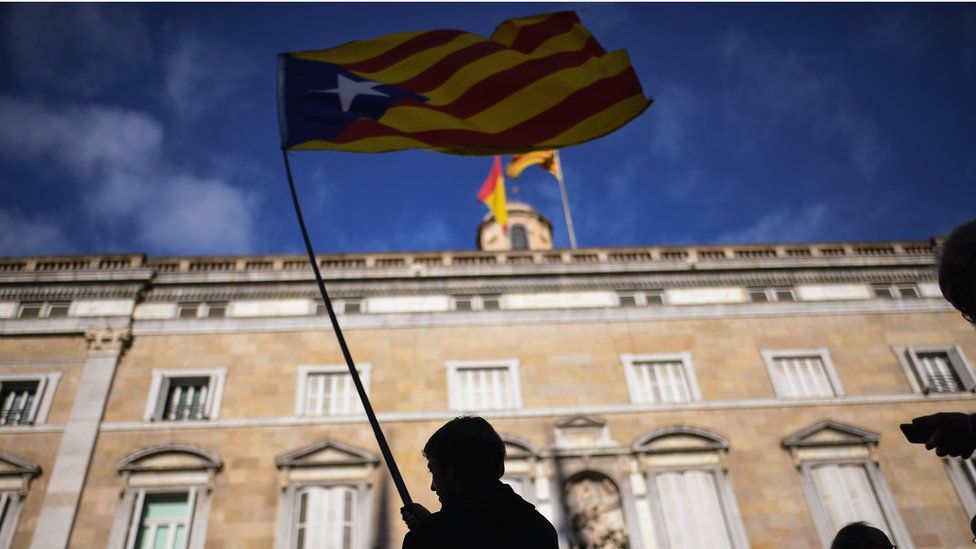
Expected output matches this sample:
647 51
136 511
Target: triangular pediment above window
327 453
830 433
681 438
11 465
173 456
581 421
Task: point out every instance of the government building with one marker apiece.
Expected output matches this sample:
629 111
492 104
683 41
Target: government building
714 396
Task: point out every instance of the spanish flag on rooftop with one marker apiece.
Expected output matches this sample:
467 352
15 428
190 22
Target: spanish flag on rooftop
538 83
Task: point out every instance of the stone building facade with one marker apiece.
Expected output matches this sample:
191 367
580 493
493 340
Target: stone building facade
650 397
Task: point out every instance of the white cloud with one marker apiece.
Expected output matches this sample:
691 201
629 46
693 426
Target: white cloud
786 225
78 48
199 72
119 154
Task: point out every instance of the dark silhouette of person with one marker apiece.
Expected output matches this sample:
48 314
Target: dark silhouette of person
858 535
466 459
952 433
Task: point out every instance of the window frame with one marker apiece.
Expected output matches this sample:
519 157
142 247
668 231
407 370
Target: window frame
47 384
770 294
514 387
305 370
15 481
961 481
909 361
135 522
140 477
525 234
360 523
345 465
641 298
631 361
159 392
882 495
770 356
848 445
731 515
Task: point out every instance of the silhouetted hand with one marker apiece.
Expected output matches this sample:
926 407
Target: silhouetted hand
413 514
949 433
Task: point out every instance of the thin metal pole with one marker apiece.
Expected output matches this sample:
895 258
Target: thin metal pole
562 192
377 430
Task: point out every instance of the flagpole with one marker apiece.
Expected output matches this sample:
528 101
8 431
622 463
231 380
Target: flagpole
373 422
562 192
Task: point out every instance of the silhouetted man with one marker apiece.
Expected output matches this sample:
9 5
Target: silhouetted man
858 535
466 459
952 433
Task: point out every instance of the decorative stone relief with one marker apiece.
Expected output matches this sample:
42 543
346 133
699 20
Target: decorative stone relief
108 339
595 513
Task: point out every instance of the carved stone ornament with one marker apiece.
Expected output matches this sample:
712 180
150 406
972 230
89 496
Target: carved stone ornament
596 517
108 339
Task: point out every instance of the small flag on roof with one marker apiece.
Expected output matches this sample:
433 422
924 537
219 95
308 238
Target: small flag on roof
537 83
492 193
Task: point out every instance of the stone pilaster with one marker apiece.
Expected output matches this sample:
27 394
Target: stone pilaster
105 346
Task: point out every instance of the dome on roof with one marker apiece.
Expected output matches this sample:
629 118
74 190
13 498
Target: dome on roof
527 230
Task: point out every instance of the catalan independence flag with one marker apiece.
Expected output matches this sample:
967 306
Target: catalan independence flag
547 160
537 83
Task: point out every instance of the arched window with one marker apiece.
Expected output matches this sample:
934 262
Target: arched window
519 237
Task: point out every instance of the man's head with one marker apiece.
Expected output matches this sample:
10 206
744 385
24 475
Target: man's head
465 451
957 269
858 535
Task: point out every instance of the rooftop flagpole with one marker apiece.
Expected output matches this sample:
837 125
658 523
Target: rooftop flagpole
562 192
373 422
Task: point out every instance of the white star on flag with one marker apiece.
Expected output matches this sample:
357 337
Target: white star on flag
348 89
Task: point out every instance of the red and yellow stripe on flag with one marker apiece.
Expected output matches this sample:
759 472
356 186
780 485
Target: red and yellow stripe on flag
537 83
492 193
547 160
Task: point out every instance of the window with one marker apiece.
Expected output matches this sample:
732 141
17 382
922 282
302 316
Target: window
43 309
185 395
841 480
895 291
352 305
847 495
329 391
521 468
940 369
476 302
165 497
963 475
326 517
763 295
325 497
26 398
635 298
519 237
483 385
194 309
19 402
16 474
692 509
660 379
164 519
802 374
687 495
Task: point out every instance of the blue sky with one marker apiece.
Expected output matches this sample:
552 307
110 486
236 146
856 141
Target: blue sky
151 128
